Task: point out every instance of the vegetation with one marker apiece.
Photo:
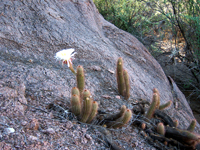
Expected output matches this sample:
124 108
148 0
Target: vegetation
158 24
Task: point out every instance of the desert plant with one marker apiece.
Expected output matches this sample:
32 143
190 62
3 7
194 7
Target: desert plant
80 78
192 125
161 128
122 79
153 106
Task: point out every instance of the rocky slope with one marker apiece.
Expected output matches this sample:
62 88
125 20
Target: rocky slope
31 32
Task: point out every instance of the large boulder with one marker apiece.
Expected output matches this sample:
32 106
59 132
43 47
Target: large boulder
31 32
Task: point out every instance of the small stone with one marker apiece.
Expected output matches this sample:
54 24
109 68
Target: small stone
30 60
69 125
88 137
84 140
9 130
106 96
49 131
24 123
32 138
118 97
111 71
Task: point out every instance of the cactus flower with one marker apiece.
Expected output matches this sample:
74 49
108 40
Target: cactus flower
65 56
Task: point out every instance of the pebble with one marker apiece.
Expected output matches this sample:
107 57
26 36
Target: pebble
106 96
69 125
49 131
118 97
24 123
87 136
9 130
32 138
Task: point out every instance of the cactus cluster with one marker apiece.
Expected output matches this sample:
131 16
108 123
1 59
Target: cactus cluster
184 136
85 108
166 127
155 104
122 79
82 104
120 119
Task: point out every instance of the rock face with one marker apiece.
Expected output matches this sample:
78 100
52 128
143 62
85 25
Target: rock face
31 32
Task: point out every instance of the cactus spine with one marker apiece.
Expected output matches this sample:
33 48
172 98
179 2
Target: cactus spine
161 128
80 77
192 125
122 79
153 106
87 105
94 112
76 105
162 107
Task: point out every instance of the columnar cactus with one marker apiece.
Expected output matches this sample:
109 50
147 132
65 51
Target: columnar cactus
127 85
76 105
75 91
155 90
93 112
161 128
116 116
166 105
153 106
192 125
123 119
80 77
122 80
119 119
85 111
120 77
87 105
176 123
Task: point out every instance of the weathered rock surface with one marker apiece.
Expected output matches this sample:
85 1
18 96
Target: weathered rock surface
31 32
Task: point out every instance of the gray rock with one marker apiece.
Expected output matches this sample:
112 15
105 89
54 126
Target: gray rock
31 32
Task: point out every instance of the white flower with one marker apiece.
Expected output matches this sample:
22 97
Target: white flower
65 56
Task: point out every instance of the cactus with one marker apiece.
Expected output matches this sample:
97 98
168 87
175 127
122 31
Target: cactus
80 77
176 123
153 106
120 114
87 105
155 90
76 105
164 106
119 119
122 80
93 112
111 119
192 125
184 136
120 77
75 91
161 128
123 120
127 84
